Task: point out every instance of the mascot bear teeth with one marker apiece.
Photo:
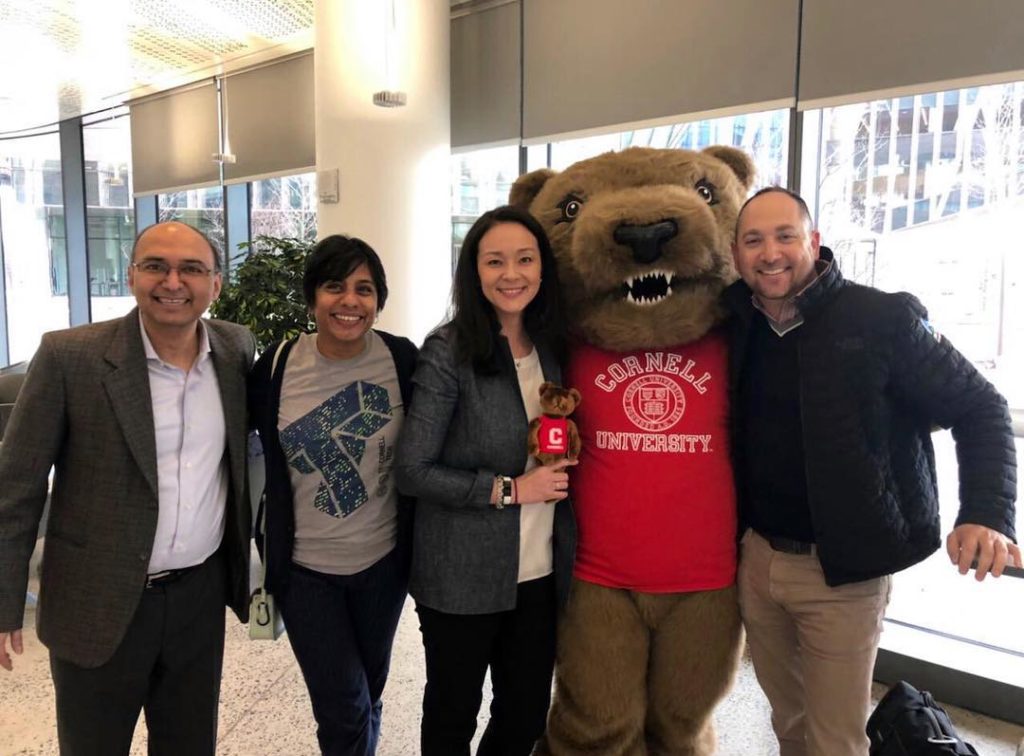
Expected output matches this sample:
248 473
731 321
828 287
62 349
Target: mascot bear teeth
650 637
649 288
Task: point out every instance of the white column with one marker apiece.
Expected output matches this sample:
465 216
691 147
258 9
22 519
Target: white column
392 162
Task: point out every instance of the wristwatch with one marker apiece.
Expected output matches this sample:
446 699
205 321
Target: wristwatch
504 491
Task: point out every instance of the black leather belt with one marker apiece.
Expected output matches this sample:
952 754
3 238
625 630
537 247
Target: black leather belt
164 577
789 546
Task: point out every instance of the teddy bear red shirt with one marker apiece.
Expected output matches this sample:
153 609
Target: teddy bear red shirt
553 435
657 507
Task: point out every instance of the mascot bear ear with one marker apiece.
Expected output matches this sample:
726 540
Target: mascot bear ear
738 160
527 187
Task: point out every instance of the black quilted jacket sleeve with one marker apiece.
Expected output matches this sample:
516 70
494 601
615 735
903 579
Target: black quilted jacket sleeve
929 373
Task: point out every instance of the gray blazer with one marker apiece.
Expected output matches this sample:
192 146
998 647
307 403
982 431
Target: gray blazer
462 429
85 409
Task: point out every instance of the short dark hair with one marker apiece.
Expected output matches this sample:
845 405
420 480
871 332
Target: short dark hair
804 211
334 258
473 317
218 266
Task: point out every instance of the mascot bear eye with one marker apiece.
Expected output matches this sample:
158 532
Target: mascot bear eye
706 190
570 207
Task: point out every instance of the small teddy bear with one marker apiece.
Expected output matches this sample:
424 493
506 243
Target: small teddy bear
553 436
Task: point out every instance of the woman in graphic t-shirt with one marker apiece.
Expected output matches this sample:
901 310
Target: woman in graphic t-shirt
328 406
494 535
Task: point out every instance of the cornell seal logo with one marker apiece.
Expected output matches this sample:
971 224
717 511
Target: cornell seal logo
654 403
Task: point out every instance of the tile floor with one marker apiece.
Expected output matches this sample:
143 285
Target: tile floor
265 710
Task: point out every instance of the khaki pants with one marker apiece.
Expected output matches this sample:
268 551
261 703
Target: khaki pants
813 648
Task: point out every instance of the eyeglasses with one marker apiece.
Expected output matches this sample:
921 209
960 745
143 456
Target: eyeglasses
162 269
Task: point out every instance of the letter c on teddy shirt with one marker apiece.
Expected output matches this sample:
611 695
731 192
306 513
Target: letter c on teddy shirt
553 435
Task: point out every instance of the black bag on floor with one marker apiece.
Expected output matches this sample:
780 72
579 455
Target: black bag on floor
908 722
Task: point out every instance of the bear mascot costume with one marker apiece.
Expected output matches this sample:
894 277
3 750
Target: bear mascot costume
650 638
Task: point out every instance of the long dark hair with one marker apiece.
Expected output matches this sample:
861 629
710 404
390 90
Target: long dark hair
473 318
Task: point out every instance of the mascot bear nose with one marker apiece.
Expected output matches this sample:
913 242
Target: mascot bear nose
646 240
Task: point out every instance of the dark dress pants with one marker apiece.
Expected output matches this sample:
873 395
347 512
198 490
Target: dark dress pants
168 664
341 628
519 648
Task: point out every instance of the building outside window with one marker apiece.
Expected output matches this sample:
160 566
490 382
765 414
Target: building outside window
285 207
480 181
109 212
764 136
35 257
199 208
925 194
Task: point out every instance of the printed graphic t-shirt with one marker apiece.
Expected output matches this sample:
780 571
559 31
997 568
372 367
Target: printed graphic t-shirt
339 422
654 493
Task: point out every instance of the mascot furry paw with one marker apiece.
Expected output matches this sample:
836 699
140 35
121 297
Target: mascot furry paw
650 638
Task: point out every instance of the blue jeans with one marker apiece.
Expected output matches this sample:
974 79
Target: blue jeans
341 628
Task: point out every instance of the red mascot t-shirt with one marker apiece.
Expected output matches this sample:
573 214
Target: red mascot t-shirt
553 435
654 494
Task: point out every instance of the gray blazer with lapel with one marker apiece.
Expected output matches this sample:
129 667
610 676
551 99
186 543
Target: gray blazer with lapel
462 429
85 409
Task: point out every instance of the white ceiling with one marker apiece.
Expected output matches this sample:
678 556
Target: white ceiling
63 58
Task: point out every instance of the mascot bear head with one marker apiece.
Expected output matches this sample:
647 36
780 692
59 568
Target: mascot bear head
642 238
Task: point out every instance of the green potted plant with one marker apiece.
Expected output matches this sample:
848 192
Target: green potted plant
263 291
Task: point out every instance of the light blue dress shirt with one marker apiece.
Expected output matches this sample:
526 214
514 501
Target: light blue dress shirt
190 450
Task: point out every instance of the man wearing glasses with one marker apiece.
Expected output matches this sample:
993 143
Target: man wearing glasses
143 419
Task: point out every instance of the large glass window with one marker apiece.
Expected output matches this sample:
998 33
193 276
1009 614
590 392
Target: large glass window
481 181
199 208
285 207
765 136
35 256
110 213
925 194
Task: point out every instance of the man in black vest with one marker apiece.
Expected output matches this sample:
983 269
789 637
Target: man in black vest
835 389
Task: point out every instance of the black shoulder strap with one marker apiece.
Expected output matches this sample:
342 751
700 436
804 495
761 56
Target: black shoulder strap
277 370
404 353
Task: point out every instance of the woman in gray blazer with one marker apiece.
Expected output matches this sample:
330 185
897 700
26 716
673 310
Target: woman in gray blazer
494 535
